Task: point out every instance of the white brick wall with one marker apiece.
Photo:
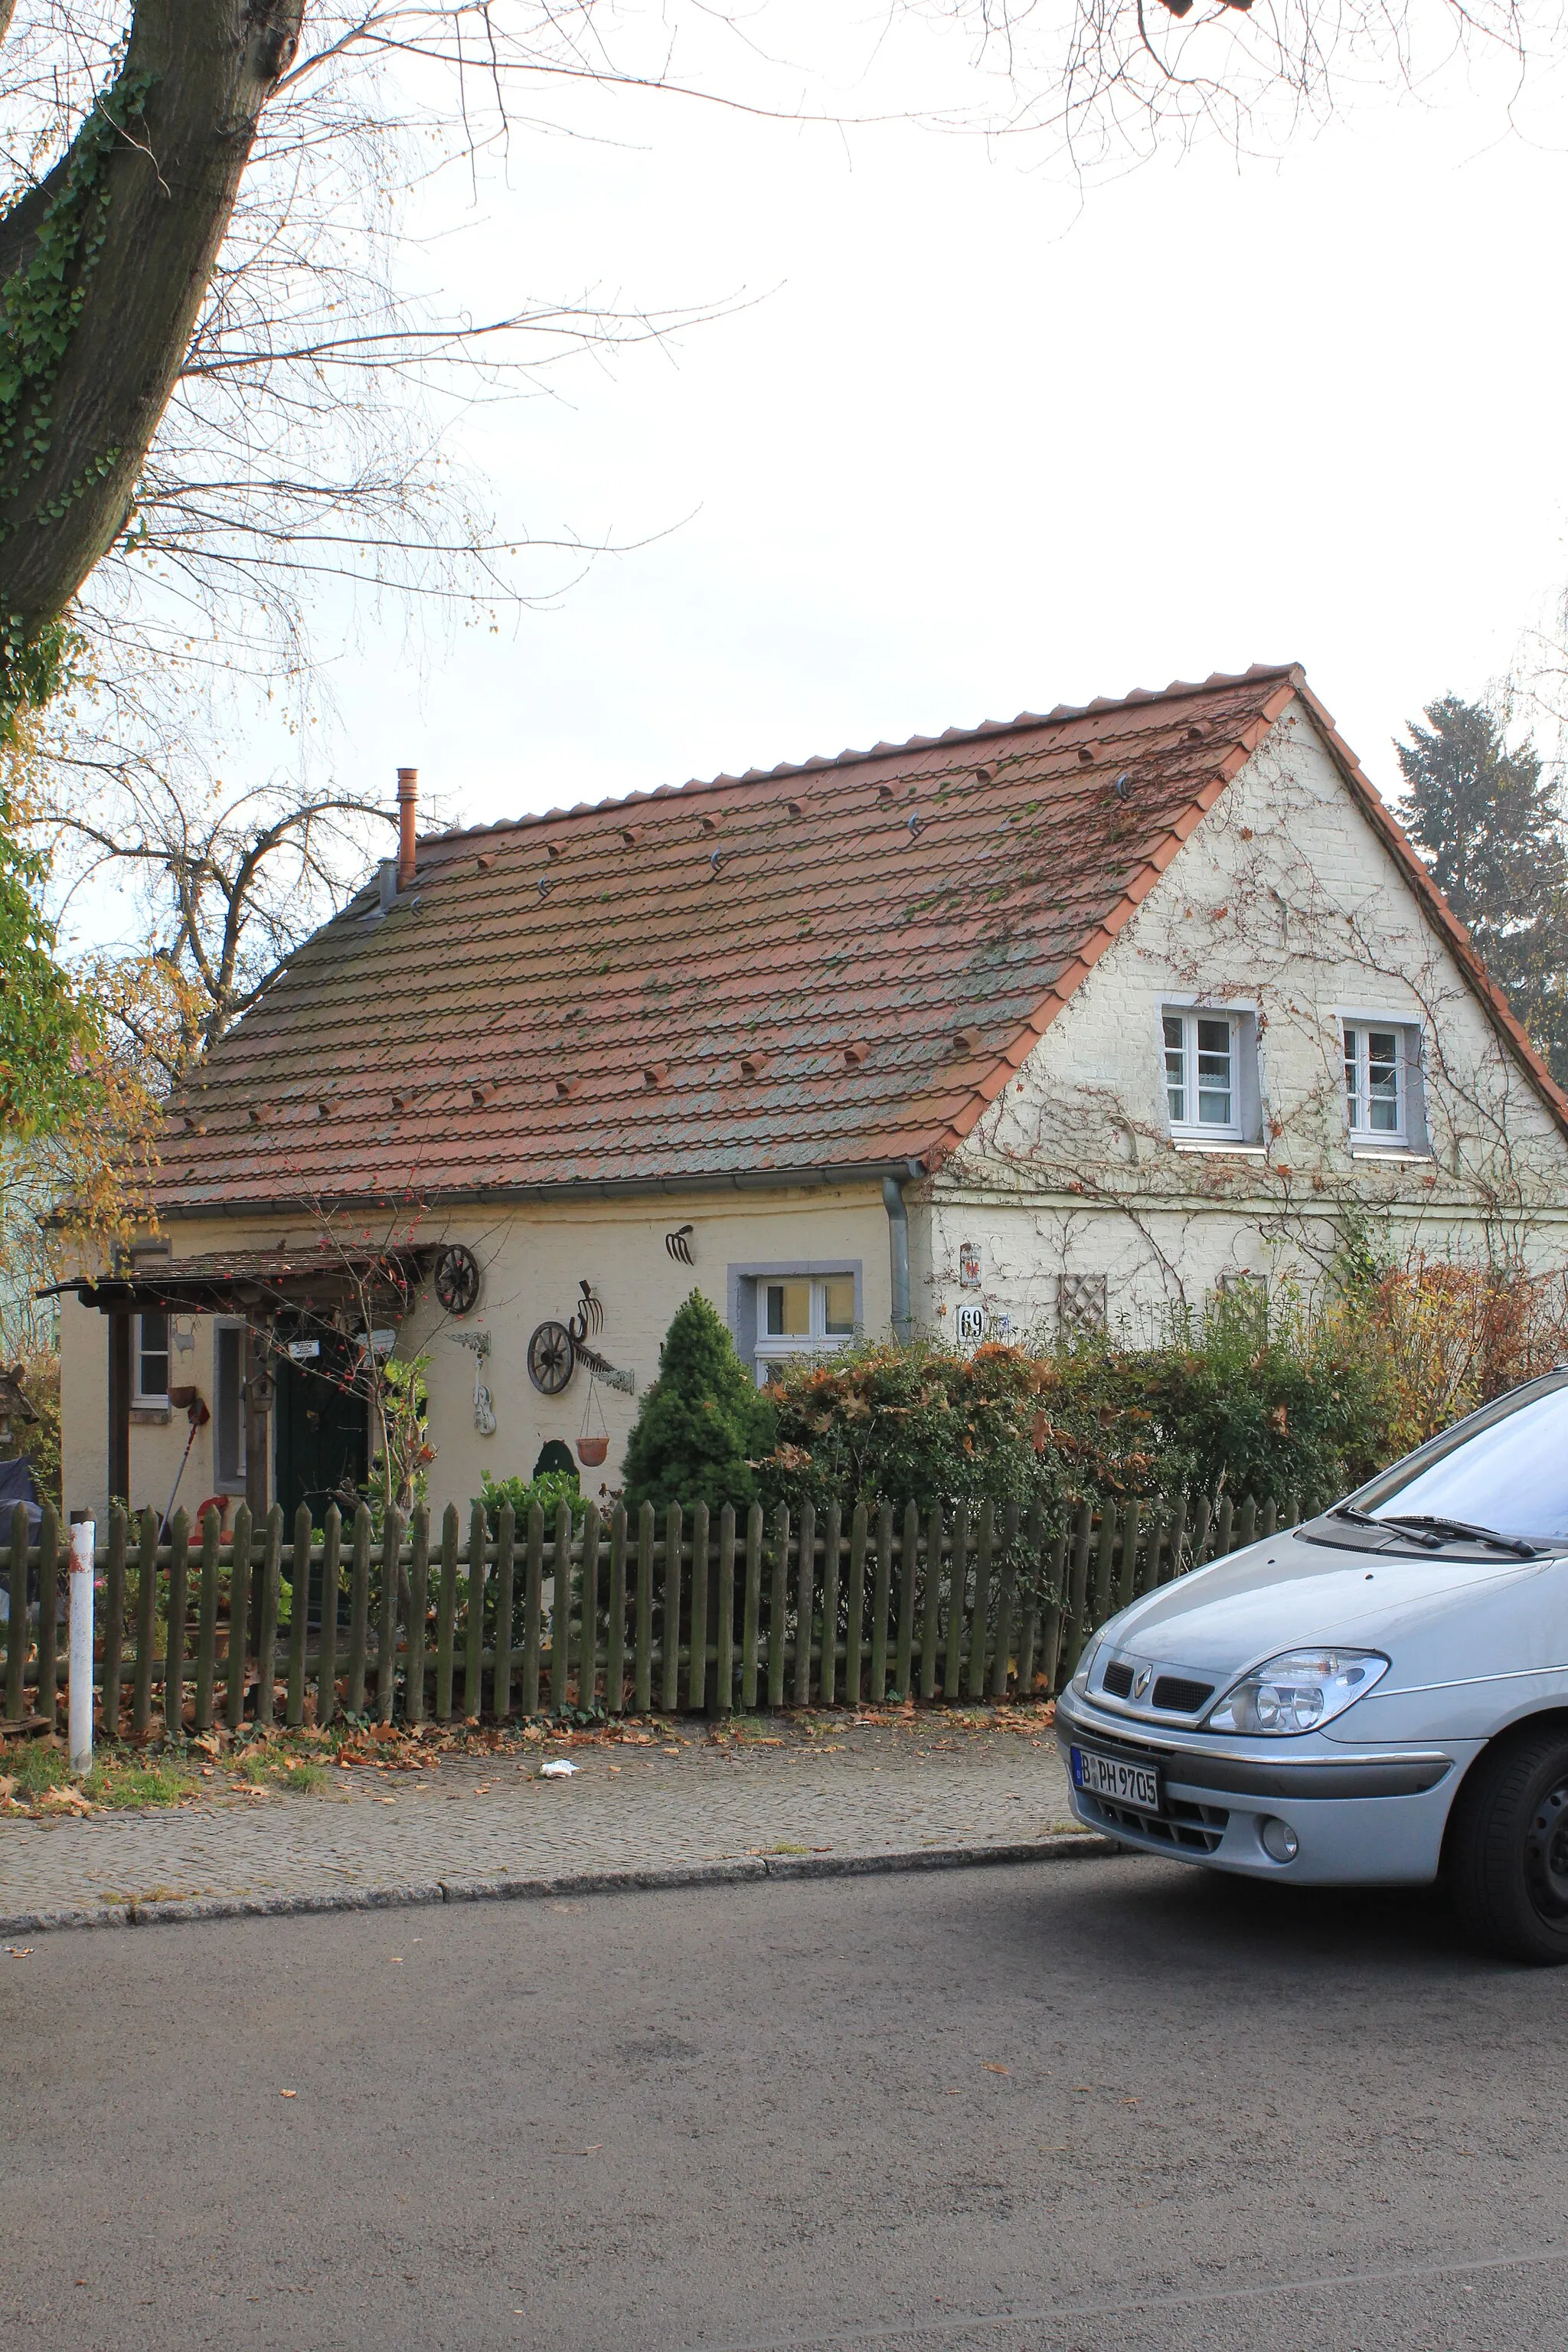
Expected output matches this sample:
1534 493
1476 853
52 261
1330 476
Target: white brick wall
1285 902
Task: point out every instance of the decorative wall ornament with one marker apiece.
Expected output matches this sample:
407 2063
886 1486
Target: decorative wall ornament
1081 1305
589 1315
551 1359
969 1266
458 1278
610 1376
679 1245
484 1403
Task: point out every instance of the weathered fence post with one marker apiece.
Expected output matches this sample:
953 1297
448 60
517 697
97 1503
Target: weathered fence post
983 1551
532 1609
238 1617
445 1613
474 1647
174 1652
724 1663
48 1614
804 1602
506 1544
206 1623
560 1608
418 1612
855 1628
908 1564
114 1620
697 1670
932 1602
832 1544
588 1644
615 1644
881 1594
1077 1628
267 1651
957 1590
777 1604
669 1621
642 1656
299 1615
750 1607
327 1639
1003 1656
387 1645
1105 1552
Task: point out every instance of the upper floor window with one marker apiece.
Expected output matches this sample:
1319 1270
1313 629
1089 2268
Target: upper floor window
150 1357
1204 1073
1381 1082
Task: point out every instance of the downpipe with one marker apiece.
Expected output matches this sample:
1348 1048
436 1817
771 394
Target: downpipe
898 1251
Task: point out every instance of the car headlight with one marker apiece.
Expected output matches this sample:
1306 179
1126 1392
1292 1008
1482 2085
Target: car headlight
1300 1691
1085 1664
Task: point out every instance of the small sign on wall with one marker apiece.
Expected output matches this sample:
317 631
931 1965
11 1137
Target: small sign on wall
969 1266
970 1324
302 1351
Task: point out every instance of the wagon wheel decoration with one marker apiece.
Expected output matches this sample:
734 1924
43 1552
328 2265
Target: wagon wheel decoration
458 1278
551 1359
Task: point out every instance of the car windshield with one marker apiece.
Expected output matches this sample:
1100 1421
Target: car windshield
1504 1469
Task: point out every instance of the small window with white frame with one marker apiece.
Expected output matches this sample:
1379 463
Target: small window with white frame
802 1315
1381 1064
150 1357
1205 1088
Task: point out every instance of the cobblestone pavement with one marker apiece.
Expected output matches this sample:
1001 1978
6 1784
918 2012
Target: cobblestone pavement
808 1794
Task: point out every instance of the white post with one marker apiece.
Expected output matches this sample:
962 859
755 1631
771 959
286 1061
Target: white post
84 1535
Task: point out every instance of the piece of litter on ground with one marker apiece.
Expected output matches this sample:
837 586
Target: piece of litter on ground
288 2095
558 1769
17 1951
992 2068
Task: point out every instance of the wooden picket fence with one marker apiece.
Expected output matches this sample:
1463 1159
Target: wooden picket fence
697 1611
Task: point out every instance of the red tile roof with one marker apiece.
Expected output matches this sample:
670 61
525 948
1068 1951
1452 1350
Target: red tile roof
823 968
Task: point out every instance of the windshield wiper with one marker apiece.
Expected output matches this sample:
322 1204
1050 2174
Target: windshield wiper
1424 1522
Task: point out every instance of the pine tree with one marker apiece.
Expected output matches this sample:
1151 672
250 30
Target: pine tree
702 1421
1486 820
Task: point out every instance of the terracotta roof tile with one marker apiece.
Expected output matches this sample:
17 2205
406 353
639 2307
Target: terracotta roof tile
790 964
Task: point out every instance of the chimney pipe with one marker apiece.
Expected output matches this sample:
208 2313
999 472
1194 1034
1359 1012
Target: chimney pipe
408 808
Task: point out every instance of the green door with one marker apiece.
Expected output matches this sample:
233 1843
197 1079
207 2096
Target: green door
322 1453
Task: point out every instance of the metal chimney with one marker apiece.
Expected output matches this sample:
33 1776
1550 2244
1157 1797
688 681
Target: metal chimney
407 811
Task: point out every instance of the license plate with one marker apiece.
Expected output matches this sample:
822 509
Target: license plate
1137 1786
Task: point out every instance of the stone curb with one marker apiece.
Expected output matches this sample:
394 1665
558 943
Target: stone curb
1067 1847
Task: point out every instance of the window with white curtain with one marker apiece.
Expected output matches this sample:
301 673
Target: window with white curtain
1377 1061
802 1315
1205 1076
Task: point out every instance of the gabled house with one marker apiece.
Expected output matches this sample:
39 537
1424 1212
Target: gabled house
1019 1029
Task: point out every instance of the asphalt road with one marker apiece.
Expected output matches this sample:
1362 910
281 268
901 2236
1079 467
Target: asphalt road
1093 2104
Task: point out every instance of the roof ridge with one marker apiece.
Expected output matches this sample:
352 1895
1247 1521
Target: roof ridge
820 762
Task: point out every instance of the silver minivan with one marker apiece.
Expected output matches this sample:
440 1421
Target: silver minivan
1377 1697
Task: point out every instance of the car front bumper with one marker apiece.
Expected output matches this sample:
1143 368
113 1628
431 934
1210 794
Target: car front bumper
1371 1816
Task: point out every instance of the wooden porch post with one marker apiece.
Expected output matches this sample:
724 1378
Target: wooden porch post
120 1407
257 1425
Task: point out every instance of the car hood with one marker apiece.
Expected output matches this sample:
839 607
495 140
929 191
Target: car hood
1288 1593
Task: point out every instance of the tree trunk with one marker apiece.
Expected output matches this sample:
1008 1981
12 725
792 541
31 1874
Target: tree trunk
103 268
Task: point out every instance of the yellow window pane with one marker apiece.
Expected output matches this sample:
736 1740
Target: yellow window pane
789 1310
840 1320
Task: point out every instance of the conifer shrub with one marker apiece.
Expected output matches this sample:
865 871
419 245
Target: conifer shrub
703 1424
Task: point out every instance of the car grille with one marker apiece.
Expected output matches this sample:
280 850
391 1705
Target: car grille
1193 1828
1117 1681
1183 1697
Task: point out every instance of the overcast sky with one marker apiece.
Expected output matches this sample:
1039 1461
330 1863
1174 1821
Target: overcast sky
984 442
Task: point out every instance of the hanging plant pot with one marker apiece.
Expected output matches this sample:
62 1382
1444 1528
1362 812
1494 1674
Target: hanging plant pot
593 1443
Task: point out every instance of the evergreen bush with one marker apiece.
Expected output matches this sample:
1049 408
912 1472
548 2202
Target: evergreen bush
703 1424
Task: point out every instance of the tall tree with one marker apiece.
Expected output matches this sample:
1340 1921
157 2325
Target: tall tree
1487 822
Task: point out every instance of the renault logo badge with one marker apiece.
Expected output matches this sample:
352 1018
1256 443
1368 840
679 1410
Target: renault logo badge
1141 1682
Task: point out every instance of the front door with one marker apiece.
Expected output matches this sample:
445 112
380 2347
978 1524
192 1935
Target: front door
320 1418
